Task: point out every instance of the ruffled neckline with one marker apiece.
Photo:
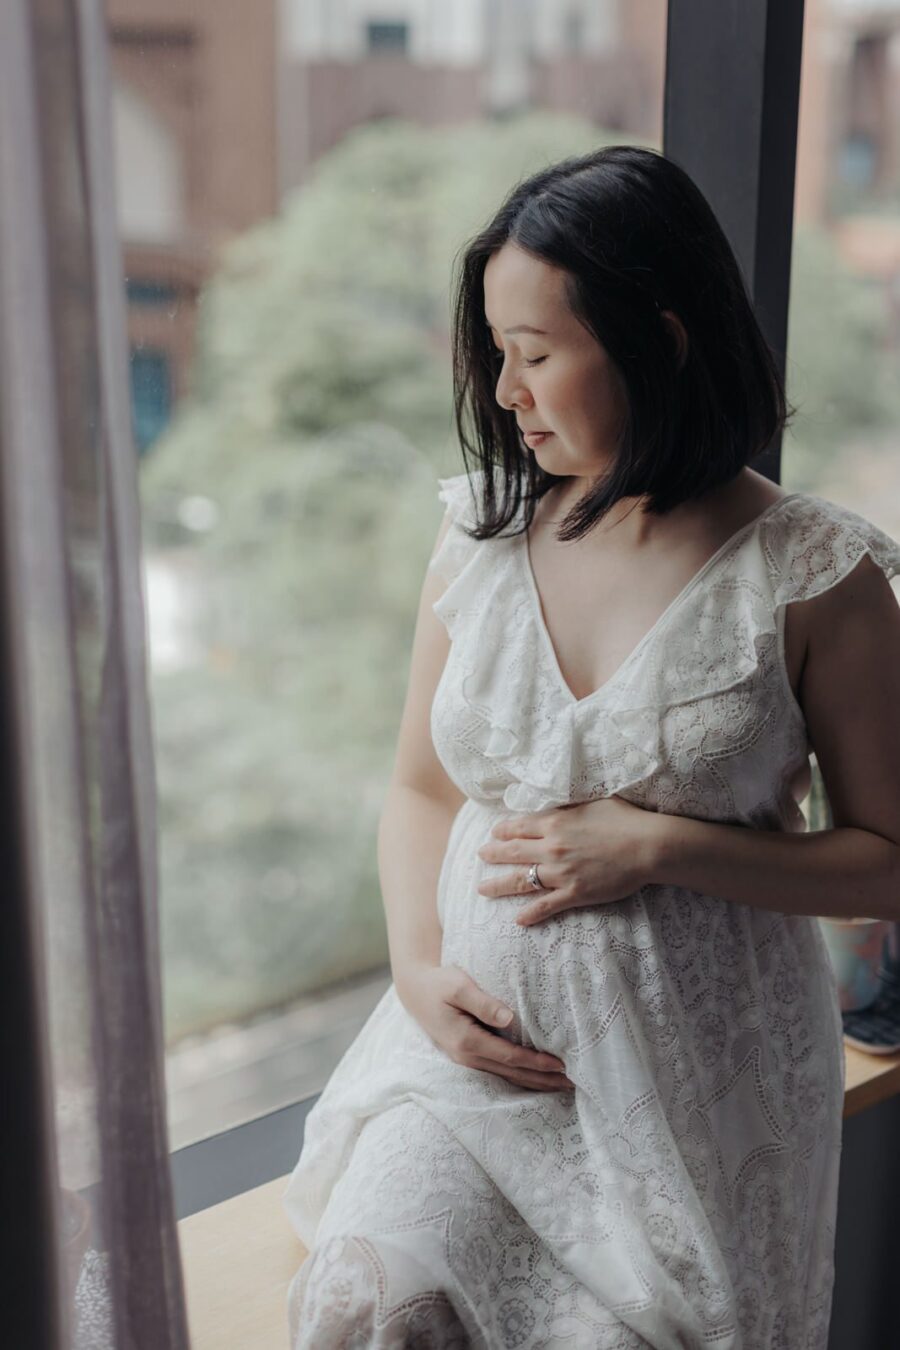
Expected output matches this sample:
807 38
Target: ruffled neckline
715 635
522 550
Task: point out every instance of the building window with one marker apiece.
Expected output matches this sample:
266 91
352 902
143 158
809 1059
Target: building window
151 395
573 32
860 158
858 162
149 292
391 38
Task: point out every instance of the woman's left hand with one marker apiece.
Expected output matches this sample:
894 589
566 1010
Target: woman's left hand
590 853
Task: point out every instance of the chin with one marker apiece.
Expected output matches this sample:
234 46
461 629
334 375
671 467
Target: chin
550 450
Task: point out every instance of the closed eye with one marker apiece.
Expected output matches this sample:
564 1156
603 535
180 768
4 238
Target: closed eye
498 354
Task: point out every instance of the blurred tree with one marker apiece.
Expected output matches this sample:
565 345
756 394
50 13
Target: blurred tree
294 494
839 372
297 491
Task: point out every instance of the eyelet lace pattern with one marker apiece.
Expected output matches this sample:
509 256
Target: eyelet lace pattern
684 1195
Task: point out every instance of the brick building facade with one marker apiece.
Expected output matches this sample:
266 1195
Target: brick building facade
222 106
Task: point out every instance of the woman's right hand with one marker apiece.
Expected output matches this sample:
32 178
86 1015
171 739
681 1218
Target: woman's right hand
457 1015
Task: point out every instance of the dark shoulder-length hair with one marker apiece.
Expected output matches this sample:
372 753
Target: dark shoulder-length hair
635 236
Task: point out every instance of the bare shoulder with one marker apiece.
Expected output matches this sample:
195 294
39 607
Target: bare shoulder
752 493
710 521
849 694
863 596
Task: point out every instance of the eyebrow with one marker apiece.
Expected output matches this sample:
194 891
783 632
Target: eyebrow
519 328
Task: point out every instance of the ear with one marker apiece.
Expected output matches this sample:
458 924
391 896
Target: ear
677 330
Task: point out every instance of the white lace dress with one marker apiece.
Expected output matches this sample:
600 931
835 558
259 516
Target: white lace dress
684 1194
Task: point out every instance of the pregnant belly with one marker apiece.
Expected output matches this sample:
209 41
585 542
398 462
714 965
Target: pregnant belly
665 990
560 977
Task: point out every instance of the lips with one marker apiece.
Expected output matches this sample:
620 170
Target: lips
533 438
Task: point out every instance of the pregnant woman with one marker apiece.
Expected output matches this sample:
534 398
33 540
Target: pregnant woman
600 1104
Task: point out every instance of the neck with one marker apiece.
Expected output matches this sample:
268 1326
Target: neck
627 516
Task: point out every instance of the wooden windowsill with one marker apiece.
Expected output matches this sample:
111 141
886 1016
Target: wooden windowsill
239 1257
870 1079
238 1260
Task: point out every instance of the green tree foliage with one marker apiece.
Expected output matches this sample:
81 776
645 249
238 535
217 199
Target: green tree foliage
839 371
309 451
295 498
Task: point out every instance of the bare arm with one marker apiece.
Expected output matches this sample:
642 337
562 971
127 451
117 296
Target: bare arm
850 695
421 801
413 831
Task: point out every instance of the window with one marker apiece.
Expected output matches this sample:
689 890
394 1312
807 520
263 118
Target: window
868 114
151 396
316 359
149 292
387 37
292 399
574 31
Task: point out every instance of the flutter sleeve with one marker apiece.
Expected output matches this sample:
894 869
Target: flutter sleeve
813 544
456 548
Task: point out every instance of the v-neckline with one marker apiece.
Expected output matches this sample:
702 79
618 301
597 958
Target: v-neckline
682 595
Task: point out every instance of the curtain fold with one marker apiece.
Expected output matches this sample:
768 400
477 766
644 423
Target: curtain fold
89 1197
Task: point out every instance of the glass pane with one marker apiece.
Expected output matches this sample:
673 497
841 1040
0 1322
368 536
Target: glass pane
289 264
844 323
844 330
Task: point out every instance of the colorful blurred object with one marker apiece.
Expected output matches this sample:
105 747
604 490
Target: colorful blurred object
858 951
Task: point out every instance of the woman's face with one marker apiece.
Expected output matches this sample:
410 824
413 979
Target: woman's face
557 380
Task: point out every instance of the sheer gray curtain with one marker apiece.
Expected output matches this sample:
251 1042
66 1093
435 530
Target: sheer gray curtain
86 1192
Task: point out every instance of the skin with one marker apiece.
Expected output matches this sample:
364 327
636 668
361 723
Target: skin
563 381
598 852
843 661
632 564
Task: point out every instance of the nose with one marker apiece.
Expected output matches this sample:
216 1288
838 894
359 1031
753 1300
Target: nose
511 393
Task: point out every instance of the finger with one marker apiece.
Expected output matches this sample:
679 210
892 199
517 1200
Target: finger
507 851
515 883
544 909
494 887
543 1082
526 827
495 1014
487 1045
482 1006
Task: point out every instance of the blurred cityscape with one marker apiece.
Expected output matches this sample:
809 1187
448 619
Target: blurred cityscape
222 108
